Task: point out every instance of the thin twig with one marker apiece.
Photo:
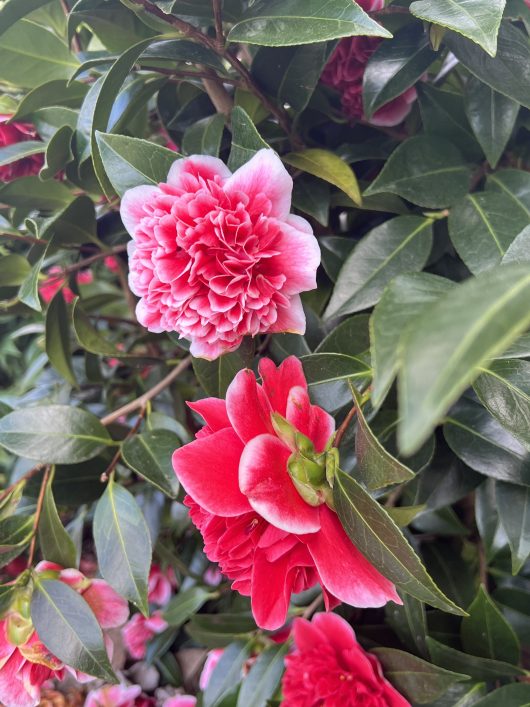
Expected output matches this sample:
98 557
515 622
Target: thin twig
85 263
149 395
310 610
129 297
30 240
344 426
217 93
218 19
38 512
116 458
25 477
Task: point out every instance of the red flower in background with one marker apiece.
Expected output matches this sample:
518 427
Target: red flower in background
269 529
328 668
11 134
56 280
345 71
140 630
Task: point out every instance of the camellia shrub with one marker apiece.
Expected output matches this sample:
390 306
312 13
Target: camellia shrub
265 353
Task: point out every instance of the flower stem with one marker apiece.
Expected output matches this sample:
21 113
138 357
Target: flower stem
344 426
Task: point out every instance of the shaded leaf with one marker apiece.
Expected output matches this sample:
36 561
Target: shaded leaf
185 604
55 543
204 136
149 454
58 338
513 505
486 633
261 683
246 140
474 666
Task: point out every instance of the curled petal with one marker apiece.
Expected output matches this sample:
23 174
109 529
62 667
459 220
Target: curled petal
110 609
309 419
213 412
132 206
291 319
198 166
300 258
278 380
247 406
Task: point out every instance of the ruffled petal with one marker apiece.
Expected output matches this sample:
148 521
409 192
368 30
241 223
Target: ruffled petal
278 381
309 419
132 205
12 690
343 569
337 630
264 176
299 259
213 412
264 479
290 319
202 166
208 470
110 609
307 635
301 224
247 406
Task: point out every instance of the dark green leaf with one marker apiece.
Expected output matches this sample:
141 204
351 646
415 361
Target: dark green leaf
409 620
519 250
376 535
486 633
451 339
300 77
15 534
507 696
149 454
55 543
58 152
31 191
130 162
185 604
427 170
182 50
123 544
327 166
395 66
227 675
477 19
312 196
216 376
51 93
399 245
58 338
53 434
20 150
350 337
280 23
204 136
416 679
264 677
492 116
513 505
476 667
246 140
219 630
516 184
329 367
15 10
68 628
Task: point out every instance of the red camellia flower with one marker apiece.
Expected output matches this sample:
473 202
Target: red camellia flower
139 631
25 663
257 491
217 256
55 280
345 71
328 668
10 134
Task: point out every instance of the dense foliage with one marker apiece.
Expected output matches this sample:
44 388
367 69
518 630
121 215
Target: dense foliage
402 129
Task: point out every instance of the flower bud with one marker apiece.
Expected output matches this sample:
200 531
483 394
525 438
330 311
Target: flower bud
285 431
18 628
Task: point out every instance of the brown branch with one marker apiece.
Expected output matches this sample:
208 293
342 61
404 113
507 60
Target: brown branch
179 75
86 262
38 512
149 395
25 477
116 458
30 240
218 19
344 426
310 610
217 93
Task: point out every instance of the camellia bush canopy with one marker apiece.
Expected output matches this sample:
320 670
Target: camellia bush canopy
264 353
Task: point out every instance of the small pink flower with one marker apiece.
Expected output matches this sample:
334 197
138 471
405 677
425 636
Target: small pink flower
345 71
371 5
180 701
212 659
217 256
139 631
55 281
328 667
111 263
256 522
25 663
160 585
10 134
113 696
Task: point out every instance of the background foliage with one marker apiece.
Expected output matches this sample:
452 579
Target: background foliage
425 236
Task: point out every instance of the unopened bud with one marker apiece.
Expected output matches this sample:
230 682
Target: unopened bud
285 431
18 629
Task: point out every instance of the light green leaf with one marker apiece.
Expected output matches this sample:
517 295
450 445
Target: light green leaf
15 10
20 150
15 534
519 249
204 136
14 269
513 505
327 166
52 93
28 292
261 683
58 153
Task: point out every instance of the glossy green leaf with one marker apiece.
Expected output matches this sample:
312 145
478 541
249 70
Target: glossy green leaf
513 505
519 249
15 534
130 162
246 140
507 696
514 183
182 50
375 534
58 338
227 675
474 666
399 245
479 20
301 75
44 196
486 633
20 150
504 389
15 10
31 55
492 116
52 93
350 337
260 685
408 620
58 153
280 23
185 604
327 166
451 339
482 226
395 66
484 445
55 543
329 367
28 292
413 677
508 72
53 434
216 376
149 454
204 136
376 467
123 544
68 628
14 269
426 170
403 300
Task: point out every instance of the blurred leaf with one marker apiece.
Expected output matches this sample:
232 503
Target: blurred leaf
14 269
376 535
327 166
451 339
513 504
476 667
149 454
399 245
58 338
123 544
264 677
416 679
246 140
55 543
280 23
58 153
28 292
185 604
15 534
427 170
68 628
20 151
227 674
15 10
219 630
507 696
53 434
204 137
486 633
43 196
519 249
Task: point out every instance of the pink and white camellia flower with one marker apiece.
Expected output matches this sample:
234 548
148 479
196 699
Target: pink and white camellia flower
114 696
160 585
139 631
25 662
345 72
328 667
257 492
217 256
180 701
